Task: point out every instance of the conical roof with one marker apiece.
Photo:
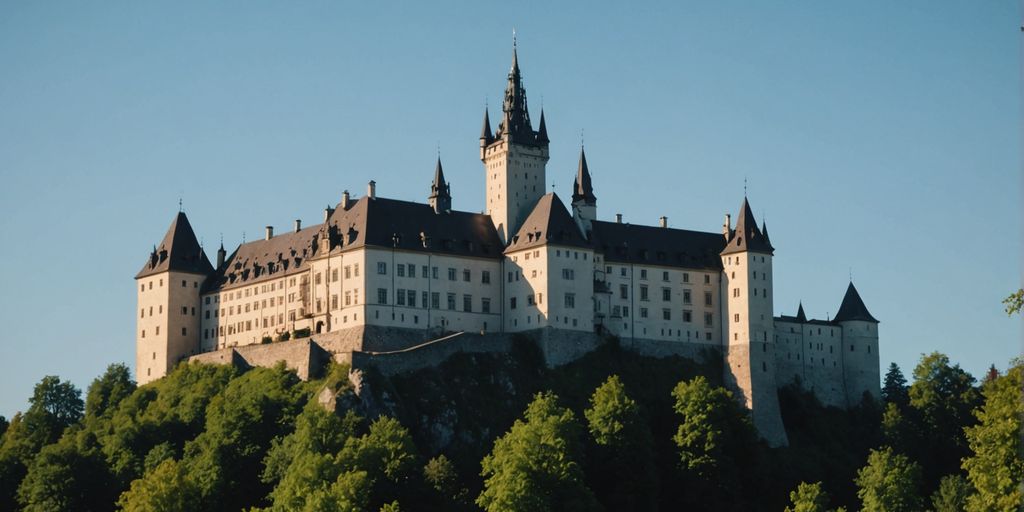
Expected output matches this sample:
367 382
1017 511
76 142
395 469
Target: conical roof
515 121
582 187
179 251
853 307
747 236
485 133
542 132
800 315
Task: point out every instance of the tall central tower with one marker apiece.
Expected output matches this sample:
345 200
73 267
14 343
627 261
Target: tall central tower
514 158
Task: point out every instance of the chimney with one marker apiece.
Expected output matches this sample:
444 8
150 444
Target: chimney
371 189
663 221
328 211
344 200
270 232
298 225
727 227
618 218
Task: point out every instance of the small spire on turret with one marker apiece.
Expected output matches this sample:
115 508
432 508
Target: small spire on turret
440 192
542 132
582 187
800 316
485 134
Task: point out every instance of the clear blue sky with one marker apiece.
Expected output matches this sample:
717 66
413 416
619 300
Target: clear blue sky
878 136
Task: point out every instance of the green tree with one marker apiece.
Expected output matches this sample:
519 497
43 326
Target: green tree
440 474
995 468
622 465
168 488
69 475
1015 302
535 465
952 494
889 483
894 389
107 390
808 498
709 418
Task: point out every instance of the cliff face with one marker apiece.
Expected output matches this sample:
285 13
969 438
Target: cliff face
459 407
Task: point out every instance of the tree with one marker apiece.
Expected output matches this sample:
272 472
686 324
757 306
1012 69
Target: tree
894 390
440 474
107 390
622 466
808 498
1015 302
952 494
535 465
709 415
168 488
889 483
69 475
995 468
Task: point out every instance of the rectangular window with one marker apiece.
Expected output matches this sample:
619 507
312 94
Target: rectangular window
709 320
666 294
530 300
451 274
485 305
348 272
707 279
467 303
687 298
736 317
570 300
623 291
424 298
400 270
316 278
425 272
625 311
399 296
412 270
666 314
643 312
511 303
466 275
643 292
643 273
334 275
687 316
485 277
707 299
435 300
686 277
433 272
382 296
735 292
348 298
567 273
664 276
382 268
355 270
451 301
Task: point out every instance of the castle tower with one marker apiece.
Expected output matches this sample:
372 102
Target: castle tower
748 325
440 192
168 302
584 203
860 348
514 159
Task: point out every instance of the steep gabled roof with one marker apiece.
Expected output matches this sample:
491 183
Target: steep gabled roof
747 236
179 251
548 223
650 245
853 307
260 260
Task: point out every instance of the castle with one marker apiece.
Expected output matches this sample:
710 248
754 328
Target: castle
382 273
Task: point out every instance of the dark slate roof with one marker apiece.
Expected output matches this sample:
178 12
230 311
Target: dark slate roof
800 317
515 121
747 236
628 243
542 131
262 260
853 307
485 132
376 222
179 251
582 186
548 223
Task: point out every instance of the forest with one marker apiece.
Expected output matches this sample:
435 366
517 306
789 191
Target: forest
613 431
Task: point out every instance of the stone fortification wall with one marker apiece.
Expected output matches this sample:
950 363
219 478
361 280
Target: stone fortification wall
700 352
428 354
302 355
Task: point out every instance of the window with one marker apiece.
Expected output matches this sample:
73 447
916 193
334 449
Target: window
382 296
183 285
451 301
485 277
643 292
412 270
348 272
435 300
348 298
467 303
512 302
686 277
399 296
687 316
623 291
451 274
425 272
687 299
622 271
400 270
184 331
412 297
382 268
316 278
567 273
530 300
666 294
424 297
355 270
184 310
707 279
709 320
643 273
707 299
736 292
664 276
666 314
466 275
643 312
736 317
433 272
570 300
334 276
625 311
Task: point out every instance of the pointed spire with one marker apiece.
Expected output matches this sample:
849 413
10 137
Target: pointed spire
582 187
485 133
747 236
853 307
800 316
440 192
764 231
542 132
515 119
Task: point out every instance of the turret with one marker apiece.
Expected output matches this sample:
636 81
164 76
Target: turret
168 301
440 192
584 202
748 325
486 138
221 254
860 350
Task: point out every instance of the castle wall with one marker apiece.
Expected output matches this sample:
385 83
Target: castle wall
812 352
304 356
860 355
550 286
168 322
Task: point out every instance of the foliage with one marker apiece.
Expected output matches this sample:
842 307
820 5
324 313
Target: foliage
894 388
107 390
808 498
996 467
622 471
889 483
168 488
952 494
1015 302
535 465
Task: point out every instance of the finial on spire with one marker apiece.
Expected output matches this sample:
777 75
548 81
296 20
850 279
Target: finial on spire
222 240
581 138
180 209
851 274
513 38
744 187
